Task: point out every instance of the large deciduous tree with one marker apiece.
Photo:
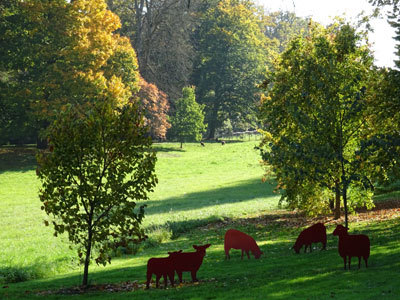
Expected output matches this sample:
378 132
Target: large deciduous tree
231 62
315 117
160 32
99 162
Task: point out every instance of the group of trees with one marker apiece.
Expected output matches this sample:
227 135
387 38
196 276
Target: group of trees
330 121
222 48
70 79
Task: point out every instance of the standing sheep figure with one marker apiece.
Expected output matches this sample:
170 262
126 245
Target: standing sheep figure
313 234
189 261
235 239
352 245
161 266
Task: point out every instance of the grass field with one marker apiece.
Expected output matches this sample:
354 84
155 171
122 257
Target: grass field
202 192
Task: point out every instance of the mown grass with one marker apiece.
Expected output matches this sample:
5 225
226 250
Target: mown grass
279 274
196 186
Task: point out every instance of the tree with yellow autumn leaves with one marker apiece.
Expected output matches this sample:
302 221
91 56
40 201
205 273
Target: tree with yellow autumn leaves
80 80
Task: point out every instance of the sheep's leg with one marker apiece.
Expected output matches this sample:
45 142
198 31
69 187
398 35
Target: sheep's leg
180 276
193 273
305 248
366 261
323 245
247 252
165 280
242 253
359 262
157 280
344 259
148 279
310 247
349 261
171 276
227 253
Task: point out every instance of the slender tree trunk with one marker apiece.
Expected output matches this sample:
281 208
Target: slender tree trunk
337 200
88 252
181 145
346 221
212 124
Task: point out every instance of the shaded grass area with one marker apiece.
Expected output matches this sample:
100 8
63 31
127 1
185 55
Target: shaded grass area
279 274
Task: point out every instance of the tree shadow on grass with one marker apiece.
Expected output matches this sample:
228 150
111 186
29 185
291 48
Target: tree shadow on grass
21 159
243 191
278 274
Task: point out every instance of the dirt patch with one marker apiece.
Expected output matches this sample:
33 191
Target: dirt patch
382 211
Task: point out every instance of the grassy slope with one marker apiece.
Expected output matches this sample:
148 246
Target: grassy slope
200 184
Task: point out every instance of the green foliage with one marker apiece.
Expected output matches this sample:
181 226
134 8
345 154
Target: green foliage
187 125
316 115
99 165
231 62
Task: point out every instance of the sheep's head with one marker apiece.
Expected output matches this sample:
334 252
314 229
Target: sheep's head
340 230
257 253
201 249
296 247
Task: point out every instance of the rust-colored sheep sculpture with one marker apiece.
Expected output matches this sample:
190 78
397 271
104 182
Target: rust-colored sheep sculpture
235 239
189 261
313 234
351 245
161 266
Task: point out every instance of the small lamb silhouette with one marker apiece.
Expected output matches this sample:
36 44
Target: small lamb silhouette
189 261
161 266
235 239
201 143
313 234
352 245
223 143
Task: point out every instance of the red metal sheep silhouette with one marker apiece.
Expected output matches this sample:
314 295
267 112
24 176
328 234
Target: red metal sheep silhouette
351 245
189 261
313 234
235 239
161 266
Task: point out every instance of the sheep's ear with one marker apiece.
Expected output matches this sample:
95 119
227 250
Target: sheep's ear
195 247
169 253
180 251
208 245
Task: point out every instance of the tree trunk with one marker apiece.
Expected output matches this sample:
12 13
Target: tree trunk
181 145
212 124
88 252
345 205
337 200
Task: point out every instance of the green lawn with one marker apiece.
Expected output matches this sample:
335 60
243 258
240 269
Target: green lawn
197 185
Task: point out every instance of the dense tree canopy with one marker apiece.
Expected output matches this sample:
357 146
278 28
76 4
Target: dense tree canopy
231 62
316 116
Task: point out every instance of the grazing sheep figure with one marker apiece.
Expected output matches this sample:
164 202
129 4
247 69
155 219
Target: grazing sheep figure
313 234
235 239
189 261
352 245
222 143
162 266
201 143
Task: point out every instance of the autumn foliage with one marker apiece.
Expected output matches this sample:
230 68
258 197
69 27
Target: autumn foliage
155 105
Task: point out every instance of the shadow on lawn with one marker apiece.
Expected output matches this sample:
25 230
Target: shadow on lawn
17 159
244 191
285 275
